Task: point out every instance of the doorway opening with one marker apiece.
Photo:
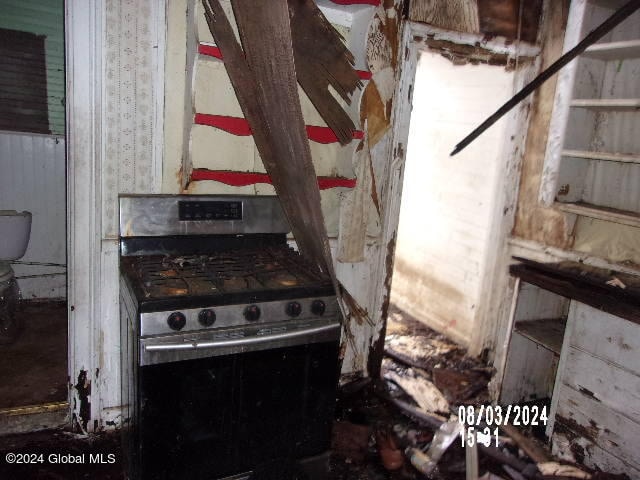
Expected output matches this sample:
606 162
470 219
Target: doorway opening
33 280
447 216
452 221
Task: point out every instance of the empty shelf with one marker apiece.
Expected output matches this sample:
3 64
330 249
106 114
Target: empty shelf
601 213
607 103
606 156
548 332
614 50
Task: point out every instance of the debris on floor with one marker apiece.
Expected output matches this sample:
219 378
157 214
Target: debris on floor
384 429
411 416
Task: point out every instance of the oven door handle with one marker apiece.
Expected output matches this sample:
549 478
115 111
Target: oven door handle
163 347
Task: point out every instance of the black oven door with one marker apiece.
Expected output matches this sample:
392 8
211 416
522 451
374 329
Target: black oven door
218 416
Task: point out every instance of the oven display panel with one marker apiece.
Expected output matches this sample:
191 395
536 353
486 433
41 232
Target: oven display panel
209 210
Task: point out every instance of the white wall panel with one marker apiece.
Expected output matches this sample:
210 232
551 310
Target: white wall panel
32 177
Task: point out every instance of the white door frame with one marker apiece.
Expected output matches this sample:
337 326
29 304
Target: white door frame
112 110
83 47
495 278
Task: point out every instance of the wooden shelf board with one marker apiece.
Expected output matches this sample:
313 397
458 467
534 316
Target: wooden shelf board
600 213
606 156
607 103
547 332
614 50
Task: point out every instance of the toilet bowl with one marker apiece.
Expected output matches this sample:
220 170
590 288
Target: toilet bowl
15 228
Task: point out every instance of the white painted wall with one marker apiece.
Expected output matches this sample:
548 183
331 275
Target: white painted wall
448 203
32 177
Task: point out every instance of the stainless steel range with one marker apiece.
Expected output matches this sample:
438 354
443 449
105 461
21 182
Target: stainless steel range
230 342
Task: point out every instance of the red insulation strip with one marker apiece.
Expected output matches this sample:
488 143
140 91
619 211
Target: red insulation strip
242 179
239 126
212 51
234 125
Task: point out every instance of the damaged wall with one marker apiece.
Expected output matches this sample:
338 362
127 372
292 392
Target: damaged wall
534 221
542 183
479 276
208 117
121 141
507 18
354 178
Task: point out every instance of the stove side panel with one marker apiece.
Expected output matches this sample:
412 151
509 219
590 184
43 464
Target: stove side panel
129 349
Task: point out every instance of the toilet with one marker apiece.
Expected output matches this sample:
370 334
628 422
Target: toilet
15 228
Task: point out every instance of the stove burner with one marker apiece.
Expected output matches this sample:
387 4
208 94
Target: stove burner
244 270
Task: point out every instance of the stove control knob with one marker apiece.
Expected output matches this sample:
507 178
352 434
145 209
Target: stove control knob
318 307
206 317
293 309
252 313
177 321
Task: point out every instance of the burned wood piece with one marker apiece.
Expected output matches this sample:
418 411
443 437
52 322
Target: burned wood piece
390 455
401 358
425 393
354 387
528 446
606 26
458 386
556 469
421 351
433 422
322 60
350 440
585 284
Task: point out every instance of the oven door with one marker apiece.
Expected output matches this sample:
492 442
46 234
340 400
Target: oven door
222 415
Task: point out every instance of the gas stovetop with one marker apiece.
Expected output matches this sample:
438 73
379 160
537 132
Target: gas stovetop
214 273
163 282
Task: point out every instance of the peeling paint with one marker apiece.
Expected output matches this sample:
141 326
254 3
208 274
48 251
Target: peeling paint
376 349
460 54
588 393
590 432
83 387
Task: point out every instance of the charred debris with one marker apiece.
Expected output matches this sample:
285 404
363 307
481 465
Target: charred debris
408 425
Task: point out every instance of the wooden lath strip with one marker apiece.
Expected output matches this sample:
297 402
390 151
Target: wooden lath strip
322 60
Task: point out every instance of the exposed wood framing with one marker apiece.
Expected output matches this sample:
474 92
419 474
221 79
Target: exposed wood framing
511 19
459 15
534 222
591 38
370 280
508 18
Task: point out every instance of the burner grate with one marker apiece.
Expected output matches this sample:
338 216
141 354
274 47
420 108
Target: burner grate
270 268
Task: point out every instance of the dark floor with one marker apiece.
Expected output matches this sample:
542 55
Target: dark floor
33 370
369 434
